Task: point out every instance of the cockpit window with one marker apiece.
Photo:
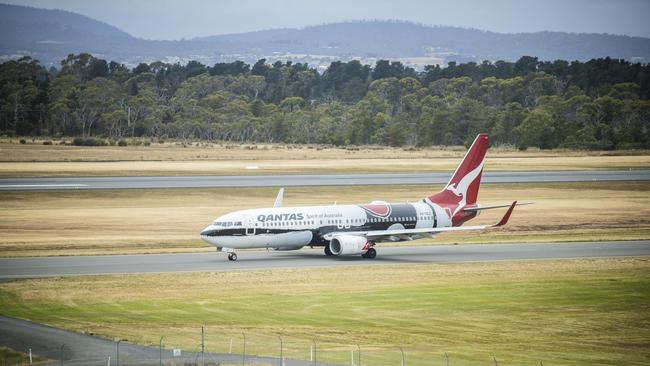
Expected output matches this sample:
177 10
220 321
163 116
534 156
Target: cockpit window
224 223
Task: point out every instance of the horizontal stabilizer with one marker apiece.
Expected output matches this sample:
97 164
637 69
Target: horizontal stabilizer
480 208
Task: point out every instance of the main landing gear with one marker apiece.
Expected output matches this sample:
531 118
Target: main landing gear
370 254
328 252
232 257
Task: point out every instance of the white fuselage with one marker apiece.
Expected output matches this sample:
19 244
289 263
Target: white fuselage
288 228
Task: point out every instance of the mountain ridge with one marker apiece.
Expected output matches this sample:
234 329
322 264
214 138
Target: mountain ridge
49 35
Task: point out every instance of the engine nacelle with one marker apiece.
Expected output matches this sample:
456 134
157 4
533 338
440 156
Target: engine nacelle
348 245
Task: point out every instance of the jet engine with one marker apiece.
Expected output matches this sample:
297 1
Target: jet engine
348 245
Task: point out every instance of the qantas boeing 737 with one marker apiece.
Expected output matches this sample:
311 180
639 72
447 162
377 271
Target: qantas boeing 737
356 229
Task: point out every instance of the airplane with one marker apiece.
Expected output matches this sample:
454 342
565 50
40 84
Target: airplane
350 230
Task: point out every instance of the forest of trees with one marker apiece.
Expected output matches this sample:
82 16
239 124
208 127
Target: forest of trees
599 104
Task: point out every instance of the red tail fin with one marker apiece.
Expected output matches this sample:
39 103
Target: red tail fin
463 186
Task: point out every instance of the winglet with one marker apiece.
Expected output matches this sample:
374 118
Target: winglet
278 199
505 217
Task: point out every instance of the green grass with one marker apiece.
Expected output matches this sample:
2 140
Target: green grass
9 356
571 312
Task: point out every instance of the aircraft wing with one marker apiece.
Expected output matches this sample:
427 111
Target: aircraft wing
386 233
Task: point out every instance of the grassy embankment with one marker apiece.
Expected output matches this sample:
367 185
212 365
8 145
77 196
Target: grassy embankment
203 159
9 356
565 312
157 221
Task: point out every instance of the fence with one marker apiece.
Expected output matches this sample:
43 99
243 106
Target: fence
242 348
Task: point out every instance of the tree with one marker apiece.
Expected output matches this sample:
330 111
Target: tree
195 68
142 67
63 92
260 67
23 96
234 68
396 133
19 97
525 65
291 104
99 96
98 68
507 120
537 129
598 104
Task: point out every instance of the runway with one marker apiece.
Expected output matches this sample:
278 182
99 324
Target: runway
81 183
15 268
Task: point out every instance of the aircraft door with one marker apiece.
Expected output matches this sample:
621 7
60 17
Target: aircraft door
250 225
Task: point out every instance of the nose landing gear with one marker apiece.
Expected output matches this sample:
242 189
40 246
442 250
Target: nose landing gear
232 257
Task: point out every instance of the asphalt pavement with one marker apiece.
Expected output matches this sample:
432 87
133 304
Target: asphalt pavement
76 349
14 268
82 183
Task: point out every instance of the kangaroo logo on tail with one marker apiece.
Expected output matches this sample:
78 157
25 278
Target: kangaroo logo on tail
462 189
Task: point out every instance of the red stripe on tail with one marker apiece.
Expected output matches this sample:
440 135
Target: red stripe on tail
462 189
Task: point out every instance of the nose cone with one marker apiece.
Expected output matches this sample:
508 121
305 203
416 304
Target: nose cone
208 230
208 234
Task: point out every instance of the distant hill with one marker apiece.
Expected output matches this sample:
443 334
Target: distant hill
49 35
403 39
25 24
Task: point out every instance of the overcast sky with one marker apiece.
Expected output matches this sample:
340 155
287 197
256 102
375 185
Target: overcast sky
173 19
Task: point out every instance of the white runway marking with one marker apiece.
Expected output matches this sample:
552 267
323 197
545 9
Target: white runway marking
41 185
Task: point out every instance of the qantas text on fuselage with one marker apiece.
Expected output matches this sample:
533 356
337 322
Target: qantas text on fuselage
356 229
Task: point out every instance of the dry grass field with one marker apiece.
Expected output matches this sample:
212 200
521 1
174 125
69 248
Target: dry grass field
156 221
561 312
35 159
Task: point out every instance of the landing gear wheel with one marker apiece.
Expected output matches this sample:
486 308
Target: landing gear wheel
328 252
232 257
370 254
